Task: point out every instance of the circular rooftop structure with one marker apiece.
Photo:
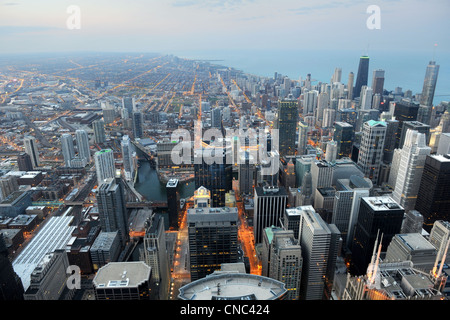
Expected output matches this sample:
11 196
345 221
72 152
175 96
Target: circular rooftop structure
233 286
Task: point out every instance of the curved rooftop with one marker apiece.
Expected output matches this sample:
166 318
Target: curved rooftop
233 286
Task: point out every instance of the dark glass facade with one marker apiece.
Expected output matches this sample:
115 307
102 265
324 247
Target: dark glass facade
433 198
377 216
362 76
287 126
343 135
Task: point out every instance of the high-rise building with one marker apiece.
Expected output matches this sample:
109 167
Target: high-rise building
11 287
390 140
321 174
362 75
111 207
128 158
269 206
371 149
351 79
343 135
346 205
213 239
429 84
378 81
173 203
49 278
246 173
417 126
404 111
366 98
439 237
32 150
286 123
123 281
285 261
138 125
216 176
83 145
67 148
377 216
98 127
302 165
319 242
156 255
433 197
129 104
410 169
412 222
216 117
24 162
104 165
302 138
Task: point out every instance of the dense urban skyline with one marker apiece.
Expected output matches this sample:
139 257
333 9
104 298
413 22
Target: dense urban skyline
298 185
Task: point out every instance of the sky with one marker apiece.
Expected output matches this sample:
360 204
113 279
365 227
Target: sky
191 25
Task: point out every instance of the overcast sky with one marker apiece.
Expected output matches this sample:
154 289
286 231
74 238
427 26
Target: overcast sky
172 25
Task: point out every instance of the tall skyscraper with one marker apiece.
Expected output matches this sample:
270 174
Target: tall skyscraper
216 117
302 138
366 98
111 208
67 148
32 150
378 81
270 203
173 203
216 176
417 126
128 157
319 242
351 79
346 205
104 165
138 123
286 123
213 239
83 145
24 162
98 127
429 84
410 169
343 135
433 198
286 261
404 111
247 173
156 255
377 216
371 149
11 287
362 75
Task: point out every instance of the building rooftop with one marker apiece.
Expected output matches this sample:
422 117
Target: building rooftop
122 275
415 241
382 203
233 286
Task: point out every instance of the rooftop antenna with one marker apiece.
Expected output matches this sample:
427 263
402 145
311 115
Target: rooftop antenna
434 51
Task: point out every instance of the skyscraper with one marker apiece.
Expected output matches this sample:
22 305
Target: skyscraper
173 203
404 111
429 84
377 216
319 242
24 162
138 123
362 75
270 203
433 198
111 208
67 148
213 239
128 157
31 149
409 172
98 127
371 149
351 79
343 135
216 176
104 165
417 126
286 261
247 173
11 287
83 145
286 123
302 138
378 81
